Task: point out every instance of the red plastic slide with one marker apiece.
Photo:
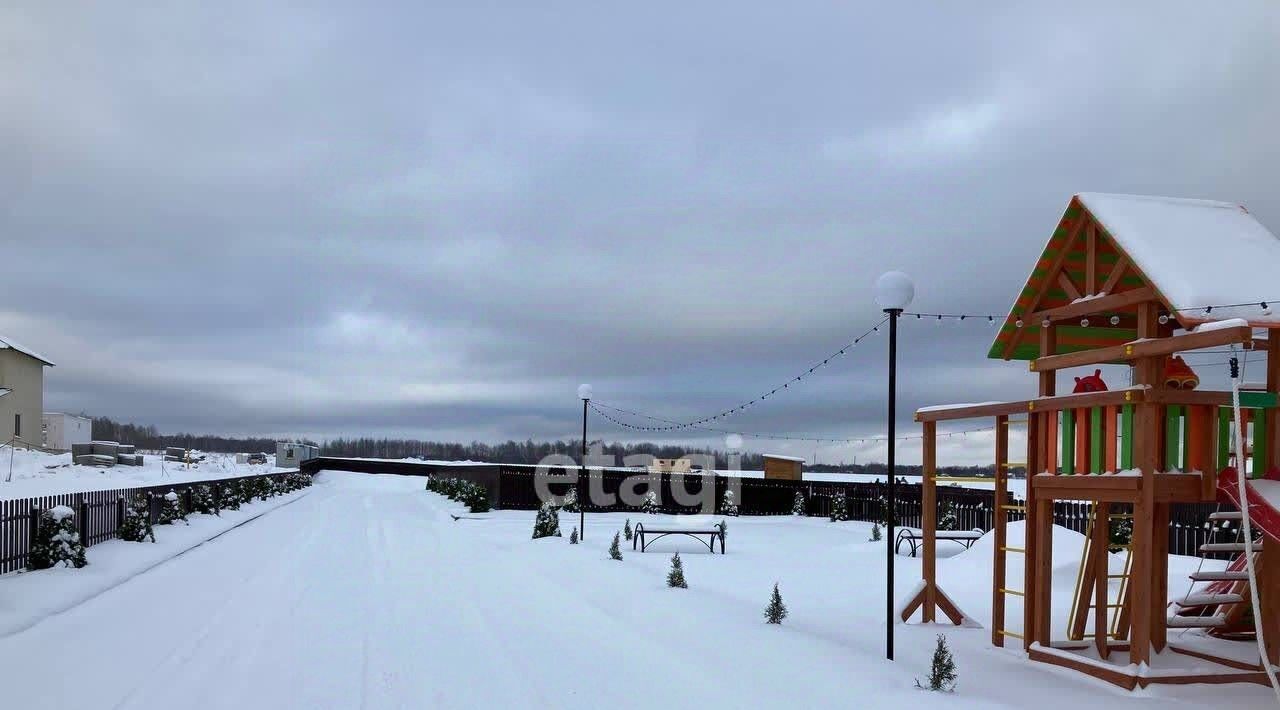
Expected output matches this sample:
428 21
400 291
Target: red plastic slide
1263 498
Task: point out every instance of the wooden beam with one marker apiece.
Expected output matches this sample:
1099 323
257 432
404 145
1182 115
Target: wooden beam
1100 545
1091 306
1090 259
1049 275
1117 272
1140 349
1043 404
1065 282
929 513
1000 521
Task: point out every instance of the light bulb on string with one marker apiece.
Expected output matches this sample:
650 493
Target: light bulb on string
1164 318
1115 320
1017 323
1084 322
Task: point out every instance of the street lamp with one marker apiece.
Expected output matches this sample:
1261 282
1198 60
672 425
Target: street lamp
584 394
894 292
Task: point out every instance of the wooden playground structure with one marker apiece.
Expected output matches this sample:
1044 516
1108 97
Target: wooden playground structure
1105 292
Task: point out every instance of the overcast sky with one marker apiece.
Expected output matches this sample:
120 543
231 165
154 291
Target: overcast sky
436 219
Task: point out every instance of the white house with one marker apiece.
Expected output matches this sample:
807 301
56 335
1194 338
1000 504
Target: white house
62 430
21 392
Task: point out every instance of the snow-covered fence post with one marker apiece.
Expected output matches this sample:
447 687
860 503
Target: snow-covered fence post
83 521
33 532
153 513
119 512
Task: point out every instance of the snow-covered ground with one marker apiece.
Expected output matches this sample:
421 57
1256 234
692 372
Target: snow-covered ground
36 473
366 592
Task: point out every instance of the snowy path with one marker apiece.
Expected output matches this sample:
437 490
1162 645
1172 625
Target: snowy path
367 594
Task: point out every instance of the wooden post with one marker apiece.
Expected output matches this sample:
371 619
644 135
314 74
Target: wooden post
1273 420
1269 596
998 524
1035 587
1159 576
1044 569
1146 444
929 522
1100 544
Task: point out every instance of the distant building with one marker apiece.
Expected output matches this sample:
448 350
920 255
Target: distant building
291 455
62 430
671 466
785 467
21 392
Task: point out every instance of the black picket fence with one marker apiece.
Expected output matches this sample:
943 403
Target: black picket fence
98 513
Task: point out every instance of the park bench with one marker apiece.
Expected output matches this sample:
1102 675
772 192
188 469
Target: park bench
915 538
712 534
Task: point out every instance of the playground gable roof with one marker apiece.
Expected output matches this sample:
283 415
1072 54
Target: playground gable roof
1193 254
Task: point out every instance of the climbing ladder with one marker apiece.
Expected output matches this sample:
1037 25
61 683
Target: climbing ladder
1219 605
1000 524
1093 583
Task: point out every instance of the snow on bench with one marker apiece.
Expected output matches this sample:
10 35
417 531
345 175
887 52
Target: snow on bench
713 533
915 538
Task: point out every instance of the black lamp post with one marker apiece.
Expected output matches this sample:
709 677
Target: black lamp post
584 394
894 292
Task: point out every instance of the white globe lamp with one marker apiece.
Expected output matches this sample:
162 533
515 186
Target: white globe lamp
584 391
894 290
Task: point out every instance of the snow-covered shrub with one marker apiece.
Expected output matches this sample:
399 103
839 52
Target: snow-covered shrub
229 495
942 673
569 503
262 488
948 520
615 550
136 524
839 508
1120 533
476 497
202 500
776 611
626 530
547 524
573 536
650 504
797 505
171 509
675 577
57 540
728 506
876 535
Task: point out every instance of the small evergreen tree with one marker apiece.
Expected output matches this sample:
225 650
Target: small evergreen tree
136 525
570 501
1120 533
170 509
797 505
675 577
876 536
776 611
948 521
202 500
615 551
573 536
942 673
839 508
728 505
230 496
626 530
57 540
547 524
650 504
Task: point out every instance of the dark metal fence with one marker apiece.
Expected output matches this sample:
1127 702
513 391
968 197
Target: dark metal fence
98 514
512 487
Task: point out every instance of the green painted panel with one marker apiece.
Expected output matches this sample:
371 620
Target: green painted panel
1126 437
1095 440
1172 434
1257 399
1068 457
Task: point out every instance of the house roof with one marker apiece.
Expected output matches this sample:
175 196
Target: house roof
1193 254
8 344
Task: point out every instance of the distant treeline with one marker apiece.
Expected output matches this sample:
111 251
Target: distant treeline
515 452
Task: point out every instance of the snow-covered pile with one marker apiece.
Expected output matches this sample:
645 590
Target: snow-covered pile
35 473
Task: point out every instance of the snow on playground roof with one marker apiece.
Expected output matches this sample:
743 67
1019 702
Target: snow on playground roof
785 458
1195 253
1191 253
9 344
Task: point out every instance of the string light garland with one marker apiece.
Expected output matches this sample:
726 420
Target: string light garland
993 318
599 409
674 425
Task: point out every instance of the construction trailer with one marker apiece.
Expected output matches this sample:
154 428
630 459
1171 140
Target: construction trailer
292 454
788 468
1127 280
61 430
